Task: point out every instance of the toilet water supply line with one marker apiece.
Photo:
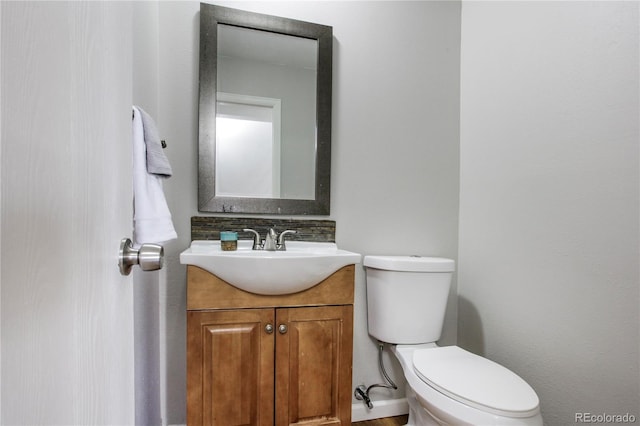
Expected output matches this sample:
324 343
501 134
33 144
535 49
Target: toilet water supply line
362 393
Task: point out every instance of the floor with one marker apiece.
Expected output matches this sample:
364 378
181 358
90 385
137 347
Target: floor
389 421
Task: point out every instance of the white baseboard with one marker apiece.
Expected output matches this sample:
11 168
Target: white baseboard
386 408
381 409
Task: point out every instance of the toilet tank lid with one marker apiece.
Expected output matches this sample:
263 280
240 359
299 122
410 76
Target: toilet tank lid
410 263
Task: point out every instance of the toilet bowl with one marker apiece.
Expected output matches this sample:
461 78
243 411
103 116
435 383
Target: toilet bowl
406 298
473 401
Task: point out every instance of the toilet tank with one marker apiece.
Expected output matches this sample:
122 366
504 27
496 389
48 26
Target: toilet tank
407 297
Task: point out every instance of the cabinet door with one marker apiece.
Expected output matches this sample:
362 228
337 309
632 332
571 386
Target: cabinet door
230 359
313 365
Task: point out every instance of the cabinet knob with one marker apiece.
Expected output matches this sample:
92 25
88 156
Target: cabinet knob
282 328
268 328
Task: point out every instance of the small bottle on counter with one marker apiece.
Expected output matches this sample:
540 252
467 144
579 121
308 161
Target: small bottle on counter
228 240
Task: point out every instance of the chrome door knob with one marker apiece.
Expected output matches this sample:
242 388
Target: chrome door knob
150 257
268 328
282 328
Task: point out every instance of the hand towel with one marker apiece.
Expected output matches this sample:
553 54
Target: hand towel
151 218
157 162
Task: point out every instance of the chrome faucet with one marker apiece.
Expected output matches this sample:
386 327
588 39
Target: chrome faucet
272 242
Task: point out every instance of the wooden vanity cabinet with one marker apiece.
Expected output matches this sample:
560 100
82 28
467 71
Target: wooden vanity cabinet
269 360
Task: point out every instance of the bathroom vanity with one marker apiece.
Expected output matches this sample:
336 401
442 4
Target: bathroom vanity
256 359
269 328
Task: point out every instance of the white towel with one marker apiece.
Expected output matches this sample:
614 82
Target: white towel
151 217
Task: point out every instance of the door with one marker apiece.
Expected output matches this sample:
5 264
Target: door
313 365
230 357
66 312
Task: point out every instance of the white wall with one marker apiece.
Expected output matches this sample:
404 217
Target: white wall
0 210
395 146
146 287
548 278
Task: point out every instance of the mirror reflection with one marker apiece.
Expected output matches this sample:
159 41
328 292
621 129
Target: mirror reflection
265 115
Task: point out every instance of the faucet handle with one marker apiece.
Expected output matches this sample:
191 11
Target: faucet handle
281 245
256 238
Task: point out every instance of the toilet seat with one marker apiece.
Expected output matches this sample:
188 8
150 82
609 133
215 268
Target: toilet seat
475 381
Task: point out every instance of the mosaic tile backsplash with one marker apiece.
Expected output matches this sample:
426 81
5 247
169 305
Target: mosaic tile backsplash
209 227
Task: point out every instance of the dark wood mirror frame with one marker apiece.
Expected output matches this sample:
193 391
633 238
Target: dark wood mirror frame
210 17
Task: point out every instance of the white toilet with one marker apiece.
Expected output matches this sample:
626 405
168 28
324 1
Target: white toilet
407 298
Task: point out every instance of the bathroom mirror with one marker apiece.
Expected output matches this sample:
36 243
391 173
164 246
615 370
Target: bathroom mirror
264 114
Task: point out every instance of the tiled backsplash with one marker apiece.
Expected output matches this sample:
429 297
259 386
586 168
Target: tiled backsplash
209 227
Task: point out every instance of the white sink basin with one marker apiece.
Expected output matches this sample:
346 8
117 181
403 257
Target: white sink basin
301 266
